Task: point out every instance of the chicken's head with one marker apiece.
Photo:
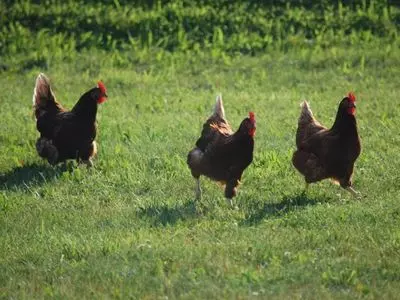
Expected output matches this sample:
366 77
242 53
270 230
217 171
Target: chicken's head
248 125
103 92
252 125
348 104
351 103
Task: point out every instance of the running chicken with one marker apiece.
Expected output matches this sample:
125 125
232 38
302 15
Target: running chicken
328 153
222 154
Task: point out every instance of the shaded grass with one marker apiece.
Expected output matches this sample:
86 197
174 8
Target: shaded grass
288 204
33 174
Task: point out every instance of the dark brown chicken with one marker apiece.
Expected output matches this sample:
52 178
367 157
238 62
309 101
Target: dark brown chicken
328 153
66 134
222 154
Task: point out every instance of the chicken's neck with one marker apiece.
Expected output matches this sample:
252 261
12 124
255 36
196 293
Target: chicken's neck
86 108
242 138
345 124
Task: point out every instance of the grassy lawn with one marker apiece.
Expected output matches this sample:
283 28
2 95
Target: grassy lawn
130 228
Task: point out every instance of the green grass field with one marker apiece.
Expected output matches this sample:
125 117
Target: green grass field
130 228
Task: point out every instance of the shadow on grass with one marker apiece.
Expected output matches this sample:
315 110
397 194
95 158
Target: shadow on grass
258 212
255 212
162 216
32 174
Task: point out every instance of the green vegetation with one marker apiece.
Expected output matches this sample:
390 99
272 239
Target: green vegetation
129 228
37 33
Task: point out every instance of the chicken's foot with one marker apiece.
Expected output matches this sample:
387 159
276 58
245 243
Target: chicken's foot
230 202
353 192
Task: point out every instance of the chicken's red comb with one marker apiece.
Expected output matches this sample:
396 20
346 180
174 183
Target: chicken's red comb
252 116
351 96
102 87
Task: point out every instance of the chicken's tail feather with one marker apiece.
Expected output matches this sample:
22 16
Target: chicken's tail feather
306 115
307 125
41 91
219 108
43 96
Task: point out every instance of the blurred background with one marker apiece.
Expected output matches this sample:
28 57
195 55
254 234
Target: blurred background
40 33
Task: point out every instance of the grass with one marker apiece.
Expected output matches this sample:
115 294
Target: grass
129 227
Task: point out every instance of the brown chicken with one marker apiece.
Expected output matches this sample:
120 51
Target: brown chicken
328 153
66 134
222 154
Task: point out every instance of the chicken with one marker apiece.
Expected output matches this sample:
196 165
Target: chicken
328 153
222 154
66 134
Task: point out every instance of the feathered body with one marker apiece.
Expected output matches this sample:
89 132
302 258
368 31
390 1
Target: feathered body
328 153
66 134
222 154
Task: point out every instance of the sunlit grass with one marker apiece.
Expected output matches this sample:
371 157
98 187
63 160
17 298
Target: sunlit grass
129 227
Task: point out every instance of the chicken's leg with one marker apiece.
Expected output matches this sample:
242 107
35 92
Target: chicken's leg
231 191
198 189
86 154
88 162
